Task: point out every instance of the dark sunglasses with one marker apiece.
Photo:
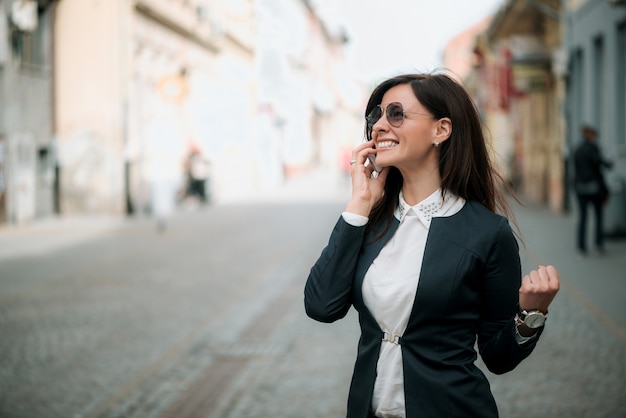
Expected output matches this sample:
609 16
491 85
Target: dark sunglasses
395 116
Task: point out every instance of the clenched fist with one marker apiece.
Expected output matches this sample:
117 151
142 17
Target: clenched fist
539 287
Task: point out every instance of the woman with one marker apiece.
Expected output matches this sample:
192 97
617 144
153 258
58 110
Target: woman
423 257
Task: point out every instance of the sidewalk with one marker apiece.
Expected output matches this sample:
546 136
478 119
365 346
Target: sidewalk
44 235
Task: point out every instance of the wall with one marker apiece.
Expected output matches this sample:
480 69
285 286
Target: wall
26 122
90 60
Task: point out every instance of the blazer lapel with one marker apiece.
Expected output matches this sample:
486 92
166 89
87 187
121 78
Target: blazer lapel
438 270
370 250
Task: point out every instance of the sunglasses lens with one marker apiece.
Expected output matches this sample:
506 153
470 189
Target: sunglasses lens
395 114
374 115
371 119
395 117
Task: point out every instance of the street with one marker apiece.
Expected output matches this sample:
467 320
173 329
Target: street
114 319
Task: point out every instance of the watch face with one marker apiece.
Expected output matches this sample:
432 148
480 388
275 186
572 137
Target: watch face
534 320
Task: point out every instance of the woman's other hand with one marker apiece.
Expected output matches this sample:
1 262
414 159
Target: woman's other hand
539 287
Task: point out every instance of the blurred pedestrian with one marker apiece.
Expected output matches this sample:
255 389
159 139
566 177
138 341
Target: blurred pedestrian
427 262
196 168
590 187
163 171
163 184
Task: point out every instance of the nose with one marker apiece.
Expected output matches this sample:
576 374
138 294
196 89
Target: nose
381 125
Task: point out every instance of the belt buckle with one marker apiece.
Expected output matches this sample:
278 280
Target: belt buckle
391 338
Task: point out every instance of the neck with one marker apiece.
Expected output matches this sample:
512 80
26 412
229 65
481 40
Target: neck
418 186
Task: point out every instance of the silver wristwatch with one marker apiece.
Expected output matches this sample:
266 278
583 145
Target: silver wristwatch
532 319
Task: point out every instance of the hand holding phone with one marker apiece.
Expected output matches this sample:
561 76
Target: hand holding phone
372 157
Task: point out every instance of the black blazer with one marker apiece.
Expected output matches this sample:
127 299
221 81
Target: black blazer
468 290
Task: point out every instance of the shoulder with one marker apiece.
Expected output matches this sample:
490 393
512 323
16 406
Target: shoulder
478 213
475 227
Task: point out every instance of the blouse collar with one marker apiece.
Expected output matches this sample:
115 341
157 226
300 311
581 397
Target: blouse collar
433 206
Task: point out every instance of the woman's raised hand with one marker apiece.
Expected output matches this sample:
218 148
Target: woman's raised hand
367 188
539 287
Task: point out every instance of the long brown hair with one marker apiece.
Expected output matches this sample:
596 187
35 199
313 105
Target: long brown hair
464 163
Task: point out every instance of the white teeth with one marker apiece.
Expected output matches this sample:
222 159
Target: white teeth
387 144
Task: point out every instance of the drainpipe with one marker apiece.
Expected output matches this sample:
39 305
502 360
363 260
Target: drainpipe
56 182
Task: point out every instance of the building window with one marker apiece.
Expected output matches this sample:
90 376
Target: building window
34 47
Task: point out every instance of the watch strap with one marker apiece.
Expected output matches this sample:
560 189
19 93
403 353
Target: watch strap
523 313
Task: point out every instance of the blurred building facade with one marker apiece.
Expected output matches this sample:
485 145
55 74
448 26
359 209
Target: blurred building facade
519 92
130 86
459 56
309 104
28 181
541 69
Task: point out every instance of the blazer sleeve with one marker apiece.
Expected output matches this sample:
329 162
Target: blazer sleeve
497 342
328 289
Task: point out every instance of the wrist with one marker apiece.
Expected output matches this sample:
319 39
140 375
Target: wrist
359 207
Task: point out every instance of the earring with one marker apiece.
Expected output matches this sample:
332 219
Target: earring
436 144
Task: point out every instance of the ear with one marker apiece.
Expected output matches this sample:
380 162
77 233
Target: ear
443 130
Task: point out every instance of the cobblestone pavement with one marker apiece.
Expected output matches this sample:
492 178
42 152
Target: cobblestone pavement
105 318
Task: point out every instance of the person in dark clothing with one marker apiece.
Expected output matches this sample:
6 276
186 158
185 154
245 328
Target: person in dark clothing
197 175
425 255
590 187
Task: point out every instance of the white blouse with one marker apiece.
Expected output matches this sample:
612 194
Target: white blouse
390 286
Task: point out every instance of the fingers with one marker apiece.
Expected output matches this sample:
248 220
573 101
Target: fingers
544 277
553 274
360 153
539 287
367 184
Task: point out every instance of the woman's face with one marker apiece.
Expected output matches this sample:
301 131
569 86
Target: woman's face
411 145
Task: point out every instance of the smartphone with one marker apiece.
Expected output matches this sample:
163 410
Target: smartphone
372 158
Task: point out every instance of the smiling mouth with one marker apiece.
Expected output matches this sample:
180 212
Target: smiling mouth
386 144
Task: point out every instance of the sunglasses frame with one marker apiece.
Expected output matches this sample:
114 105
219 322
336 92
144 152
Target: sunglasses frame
385 111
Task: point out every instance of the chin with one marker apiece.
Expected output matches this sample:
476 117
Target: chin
384 160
